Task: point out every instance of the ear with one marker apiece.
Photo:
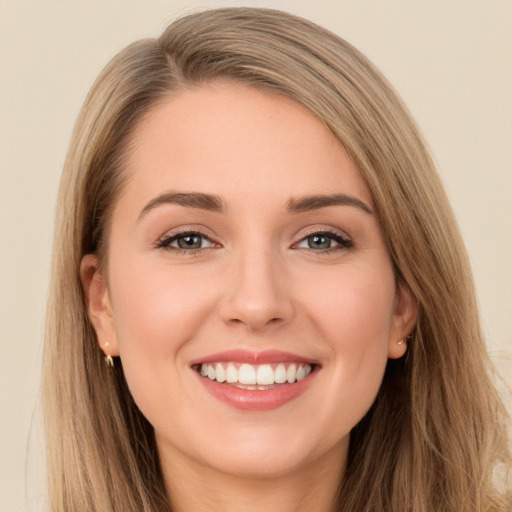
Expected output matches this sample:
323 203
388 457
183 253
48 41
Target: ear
404 318
99 307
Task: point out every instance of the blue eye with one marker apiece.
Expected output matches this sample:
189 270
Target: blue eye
186 241
324 241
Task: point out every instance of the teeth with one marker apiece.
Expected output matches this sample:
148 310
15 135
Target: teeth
280 374
265 375
291 373
231 373
247 374
220 374
255 376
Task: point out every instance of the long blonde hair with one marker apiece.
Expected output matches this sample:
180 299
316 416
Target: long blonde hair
435 439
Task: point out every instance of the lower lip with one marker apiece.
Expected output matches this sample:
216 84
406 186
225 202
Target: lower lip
255 400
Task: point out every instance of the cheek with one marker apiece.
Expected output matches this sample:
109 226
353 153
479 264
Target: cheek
353 311
353 305
157 307
157 311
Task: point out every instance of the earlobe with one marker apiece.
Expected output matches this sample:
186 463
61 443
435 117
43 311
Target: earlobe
99 307
404 319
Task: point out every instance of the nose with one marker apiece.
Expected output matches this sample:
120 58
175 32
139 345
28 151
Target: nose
257 294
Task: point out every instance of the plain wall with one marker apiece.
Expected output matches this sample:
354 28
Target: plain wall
450 60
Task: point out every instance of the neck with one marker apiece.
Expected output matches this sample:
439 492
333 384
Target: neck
198 488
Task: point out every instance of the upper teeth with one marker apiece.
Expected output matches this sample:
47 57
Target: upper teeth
264 374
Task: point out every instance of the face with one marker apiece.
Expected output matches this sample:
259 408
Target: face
249 291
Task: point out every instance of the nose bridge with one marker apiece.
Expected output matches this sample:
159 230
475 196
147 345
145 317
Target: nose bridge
256 295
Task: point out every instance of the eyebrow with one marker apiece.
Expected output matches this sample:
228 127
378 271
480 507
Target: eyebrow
190 199
315 202
216 204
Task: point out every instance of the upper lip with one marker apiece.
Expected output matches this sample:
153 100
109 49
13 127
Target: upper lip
255 358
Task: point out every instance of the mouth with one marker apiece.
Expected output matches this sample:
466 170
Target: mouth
254 377
255 381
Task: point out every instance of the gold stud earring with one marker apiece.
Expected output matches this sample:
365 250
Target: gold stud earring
405 340
109 361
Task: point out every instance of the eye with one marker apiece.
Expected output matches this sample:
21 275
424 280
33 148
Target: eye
186 241
324 241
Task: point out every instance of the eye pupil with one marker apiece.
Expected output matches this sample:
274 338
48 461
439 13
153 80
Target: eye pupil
190 242
319 242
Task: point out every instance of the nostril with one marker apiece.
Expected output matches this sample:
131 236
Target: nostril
254 325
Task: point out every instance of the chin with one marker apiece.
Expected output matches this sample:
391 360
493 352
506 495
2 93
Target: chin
262 451
263 461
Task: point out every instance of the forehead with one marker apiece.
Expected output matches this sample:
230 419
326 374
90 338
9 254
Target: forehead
230 139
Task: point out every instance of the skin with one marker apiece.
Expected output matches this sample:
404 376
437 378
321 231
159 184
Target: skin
257 285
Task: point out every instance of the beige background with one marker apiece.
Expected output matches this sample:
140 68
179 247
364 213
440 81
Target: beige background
450 59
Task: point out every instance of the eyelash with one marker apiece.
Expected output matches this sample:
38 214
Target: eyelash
343 242
165 243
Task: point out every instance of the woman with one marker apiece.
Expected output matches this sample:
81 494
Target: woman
260 296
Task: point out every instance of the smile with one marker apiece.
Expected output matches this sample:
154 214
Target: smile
255 381
260 377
